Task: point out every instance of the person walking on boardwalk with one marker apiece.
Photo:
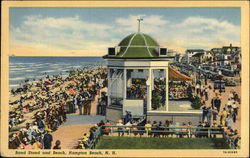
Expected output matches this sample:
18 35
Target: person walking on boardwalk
215 114
204 111
209 115
223 117
57 145
217 103
79 104
212 102
206 93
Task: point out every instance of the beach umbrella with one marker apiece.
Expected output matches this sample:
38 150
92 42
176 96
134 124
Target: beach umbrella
72 91
48 82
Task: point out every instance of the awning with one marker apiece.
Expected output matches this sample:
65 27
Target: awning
177 76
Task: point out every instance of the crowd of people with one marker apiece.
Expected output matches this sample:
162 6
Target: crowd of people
36 135
215 114
226 117
42 105
102 104
202 90
159 93
87 84
178 90
156 129
161 130
46 100
137 89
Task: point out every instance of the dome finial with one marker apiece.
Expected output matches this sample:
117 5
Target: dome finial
139 23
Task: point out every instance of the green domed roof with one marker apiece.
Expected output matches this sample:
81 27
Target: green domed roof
138 45
138 39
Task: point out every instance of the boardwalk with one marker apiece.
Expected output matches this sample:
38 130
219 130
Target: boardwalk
224 100
73 129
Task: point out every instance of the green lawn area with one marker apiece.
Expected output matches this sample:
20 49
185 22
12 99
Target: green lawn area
114 142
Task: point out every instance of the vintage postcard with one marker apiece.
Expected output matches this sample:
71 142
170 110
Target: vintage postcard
125 79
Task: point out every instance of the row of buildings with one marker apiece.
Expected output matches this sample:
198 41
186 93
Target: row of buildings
226 56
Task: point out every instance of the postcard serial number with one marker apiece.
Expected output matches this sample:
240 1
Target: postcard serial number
230 152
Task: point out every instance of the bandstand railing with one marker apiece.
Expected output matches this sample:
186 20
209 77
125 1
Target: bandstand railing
209 132
202 131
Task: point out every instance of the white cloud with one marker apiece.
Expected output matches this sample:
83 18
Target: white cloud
207 22
74 33
62 33
63 23
207 32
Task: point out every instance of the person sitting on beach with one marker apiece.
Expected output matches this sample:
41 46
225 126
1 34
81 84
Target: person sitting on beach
57 145
84 140
28 144
37 145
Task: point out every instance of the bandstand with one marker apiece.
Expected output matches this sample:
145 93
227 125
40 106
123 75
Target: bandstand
138 77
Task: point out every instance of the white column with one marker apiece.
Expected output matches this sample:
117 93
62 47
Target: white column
149 99
166 102
125 83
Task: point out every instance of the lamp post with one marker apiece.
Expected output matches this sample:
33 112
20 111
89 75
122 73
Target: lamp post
148 96
199 71
220 76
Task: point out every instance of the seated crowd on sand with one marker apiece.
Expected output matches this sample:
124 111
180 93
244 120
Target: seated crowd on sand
34 135
38 108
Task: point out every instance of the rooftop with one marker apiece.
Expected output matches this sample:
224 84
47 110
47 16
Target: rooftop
137 45
195 50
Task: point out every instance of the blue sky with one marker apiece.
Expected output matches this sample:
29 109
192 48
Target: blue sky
94 29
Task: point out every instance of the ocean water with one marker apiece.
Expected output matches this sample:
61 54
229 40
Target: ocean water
35 68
